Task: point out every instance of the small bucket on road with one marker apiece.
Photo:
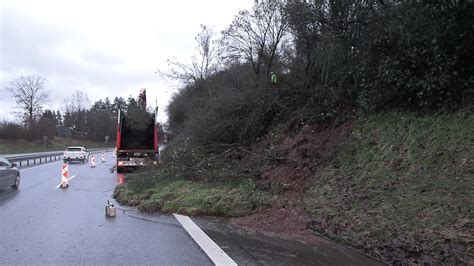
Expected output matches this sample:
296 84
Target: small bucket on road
110 210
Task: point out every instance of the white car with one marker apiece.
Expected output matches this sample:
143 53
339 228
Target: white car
77 153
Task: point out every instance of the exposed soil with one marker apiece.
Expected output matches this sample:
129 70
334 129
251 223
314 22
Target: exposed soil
384 193
303 151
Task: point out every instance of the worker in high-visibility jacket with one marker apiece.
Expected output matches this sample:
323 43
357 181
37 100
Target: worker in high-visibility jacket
273 80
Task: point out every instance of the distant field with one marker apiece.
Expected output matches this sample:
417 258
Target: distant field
23 146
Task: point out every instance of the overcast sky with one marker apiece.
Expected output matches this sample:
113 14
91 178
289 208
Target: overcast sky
104 48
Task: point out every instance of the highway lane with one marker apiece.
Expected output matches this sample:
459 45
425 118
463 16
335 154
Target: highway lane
40 224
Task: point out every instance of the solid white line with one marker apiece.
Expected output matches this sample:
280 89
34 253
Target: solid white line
212 250
71 178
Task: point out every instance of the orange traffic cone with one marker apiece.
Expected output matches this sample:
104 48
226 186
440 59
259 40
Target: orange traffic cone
64 176
93 161
103 157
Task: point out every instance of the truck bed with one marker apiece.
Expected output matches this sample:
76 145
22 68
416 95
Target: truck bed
137 138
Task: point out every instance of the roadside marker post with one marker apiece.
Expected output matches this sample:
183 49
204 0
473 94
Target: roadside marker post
93 161
103 157
64 176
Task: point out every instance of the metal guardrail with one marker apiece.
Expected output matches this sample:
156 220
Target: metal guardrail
38 158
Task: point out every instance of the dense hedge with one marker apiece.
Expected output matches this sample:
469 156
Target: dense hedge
335 59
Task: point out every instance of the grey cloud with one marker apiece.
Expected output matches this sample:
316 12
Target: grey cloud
32 47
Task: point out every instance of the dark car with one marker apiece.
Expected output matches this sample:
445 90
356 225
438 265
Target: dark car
9 174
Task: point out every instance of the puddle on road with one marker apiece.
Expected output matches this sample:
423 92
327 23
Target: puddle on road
249 248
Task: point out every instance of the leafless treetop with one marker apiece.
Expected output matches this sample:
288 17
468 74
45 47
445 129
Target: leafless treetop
30 95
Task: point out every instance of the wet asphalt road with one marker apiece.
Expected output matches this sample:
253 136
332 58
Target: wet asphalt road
41 224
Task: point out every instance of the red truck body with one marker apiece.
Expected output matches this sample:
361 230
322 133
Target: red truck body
137 145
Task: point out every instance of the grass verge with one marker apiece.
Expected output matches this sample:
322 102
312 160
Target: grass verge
401 189
151 192
23 146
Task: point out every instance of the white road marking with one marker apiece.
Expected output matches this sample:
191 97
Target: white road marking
34 167
212 250
71 178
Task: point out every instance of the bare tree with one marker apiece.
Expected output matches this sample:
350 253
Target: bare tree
255 37
30 95
202 65
78 101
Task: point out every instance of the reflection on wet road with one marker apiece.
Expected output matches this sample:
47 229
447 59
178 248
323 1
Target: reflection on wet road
40 224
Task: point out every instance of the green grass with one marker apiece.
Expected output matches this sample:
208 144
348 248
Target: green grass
401 185
152 193
23 146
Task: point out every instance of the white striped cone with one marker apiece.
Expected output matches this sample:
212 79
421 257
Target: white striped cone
64 176
93 161
103 157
